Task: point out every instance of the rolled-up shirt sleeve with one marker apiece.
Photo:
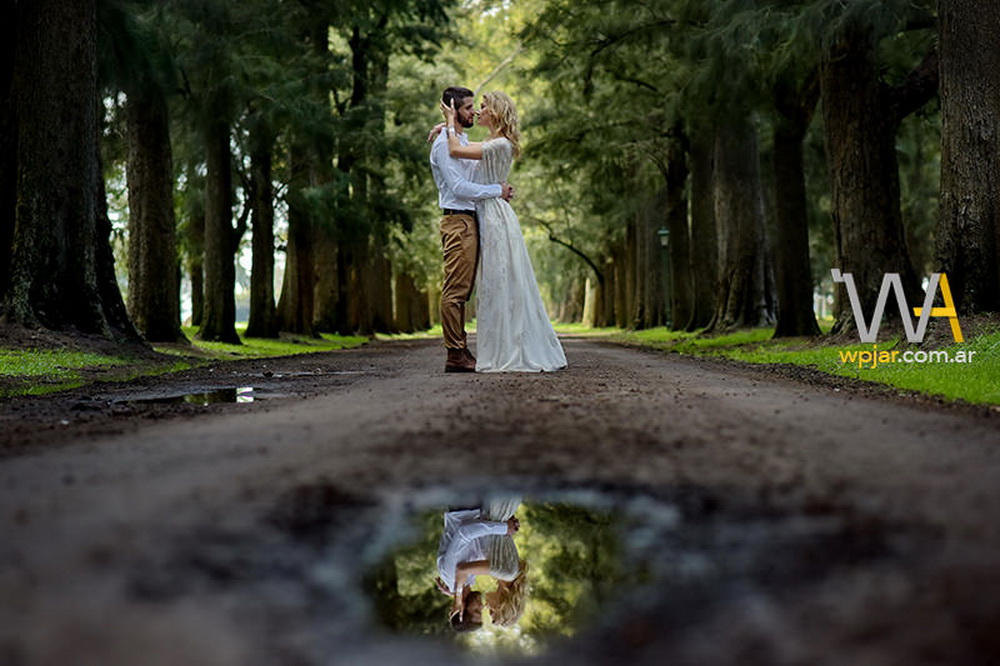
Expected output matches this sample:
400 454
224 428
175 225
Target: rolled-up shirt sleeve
478 528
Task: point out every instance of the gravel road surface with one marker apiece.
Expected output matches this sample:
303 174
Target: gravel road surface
137 530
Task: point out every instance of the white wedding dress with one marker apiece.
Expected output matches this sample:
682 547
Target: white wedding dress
513 330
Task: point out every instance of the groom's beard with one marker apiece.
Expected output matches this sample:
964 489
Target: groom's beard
467 122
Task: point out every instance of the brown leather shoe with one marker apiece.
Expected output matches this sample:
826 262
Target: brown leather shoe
459 360
469 356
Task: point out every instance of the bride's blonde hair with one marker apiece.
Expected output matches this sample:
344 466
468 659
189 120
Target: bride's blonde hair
504 117
506 604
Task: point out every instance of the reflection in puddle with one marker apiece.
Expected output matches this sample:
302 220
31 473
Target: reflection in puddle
569 561
630 569
240 394
612 575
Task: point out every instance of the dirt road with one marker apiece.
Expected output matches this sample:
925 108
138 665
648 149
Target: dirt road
138 532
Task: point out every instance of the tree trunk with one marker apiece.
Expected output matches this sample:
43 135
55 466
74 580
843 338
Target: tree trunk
604 296
650 300
263 321
295 307
704 235
860 144
115 312
379 288
632 296
572 304
8 141
412 310
620 309
345 260
359 312
219 316
679 279
327 295
968 232
58 272
195 242
325 238
745 297
154 293
794 283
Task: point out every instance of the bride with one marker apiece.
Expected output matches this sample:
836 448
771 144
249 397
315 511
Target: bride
514 333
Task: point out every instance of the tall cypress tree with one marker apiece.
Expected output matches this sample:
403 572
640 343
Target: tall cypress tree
61 267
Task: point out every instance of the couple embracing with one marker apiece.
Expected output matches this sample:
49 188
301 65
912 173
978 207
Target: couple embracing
482 242
479 542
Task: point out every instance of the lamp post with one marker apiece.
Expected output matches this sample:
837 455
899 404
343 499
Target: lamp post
664 235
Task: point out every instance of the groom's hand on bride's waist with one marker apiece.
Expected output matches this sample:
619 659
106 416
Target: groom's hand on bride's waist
508 192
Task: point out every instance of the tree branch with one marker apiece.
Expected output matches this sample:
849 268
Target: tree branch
569 246
919 88
499 68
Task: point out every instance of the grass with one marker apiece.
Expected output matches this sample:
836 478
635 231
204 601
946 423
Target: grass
977 380
288 345
429 334
36 372
44 371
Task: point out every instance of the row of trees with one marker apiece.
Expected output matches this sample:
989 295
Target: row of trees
748 126
768 140
223 117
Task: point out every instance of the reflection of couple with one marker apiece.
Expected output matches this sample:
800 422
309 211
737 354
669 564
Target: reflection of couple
514 332
480 542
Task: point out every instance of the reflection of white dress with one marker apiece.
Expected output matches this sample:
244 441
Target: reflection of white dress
513 332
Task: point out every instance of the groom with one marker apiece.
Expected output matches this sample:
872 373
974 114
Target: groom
457 196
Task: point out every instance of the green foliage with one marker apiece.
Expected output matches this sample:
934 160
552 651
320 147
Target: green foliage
602 89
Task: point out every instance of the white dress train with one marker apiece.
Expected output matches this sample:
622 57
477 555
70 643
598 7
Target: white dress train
513 330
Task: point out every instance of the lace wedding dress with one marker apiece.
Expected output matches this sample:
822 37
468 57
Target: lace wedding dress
513 331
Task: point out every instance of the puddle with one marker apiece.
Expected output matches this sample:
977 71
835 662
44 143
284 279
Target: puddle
624 571
239 394
592 563
324 373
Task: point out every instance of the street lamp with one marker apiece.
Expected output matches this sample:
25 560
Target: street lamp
664 235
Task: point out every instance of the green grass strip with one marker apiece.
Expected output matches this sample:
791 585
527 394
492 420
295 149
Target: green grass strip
968 371
52 363
288 345
44 371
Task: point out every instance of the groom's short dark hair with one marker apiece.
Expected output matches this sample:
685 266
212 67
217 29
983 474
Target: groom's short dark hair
456 94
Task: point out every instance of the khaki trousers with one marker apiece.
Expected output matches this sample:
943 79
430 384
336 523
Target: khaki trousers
460 243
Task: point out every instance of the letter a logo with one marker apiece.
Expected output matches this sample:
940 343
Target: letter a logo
891 282
949 305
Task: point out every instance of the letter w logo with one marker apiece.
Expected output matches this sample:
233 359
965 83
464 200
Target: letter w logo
892 282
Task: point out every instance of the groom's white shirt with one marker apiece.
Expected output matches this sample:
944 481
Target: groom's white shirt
453 177
462 542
